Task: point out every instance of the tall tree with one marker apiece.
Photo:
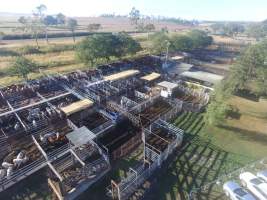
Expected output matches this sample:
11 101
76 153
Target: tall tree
61 19
40 10
182 43
159 42
22 67
32 26
72 26
104 46
200 39
127 45
134 17
40 14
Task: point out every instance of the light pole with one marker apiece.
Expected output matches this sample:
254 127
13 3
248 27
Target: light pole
167 52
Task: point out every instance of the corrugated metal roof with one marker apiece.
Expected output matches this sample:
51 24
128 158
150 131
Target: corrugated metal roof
77 106
121 75
151 77
179 68
177 57
168 85
203 76
80 136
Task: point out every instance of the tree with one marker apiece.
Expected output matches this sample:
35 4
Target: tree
49 20
22 20
104 46
150 27
22 67
257 30
93 27
229 29
127 45
159 42
39 14
72 25
40 10
61 19
182 43
90 49
32 26
251 67
134 17
200 39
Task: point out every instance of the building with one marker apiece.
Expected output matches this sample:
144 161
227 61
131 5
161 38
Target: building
167 88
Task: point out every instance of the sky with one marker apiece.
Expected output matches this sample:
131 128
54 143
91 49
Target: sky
233 10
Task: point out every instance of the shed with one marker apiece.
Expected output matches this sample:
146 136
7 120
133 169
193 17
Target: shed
121 75
151 77
77 106
178 69
167 88
202 76
178 58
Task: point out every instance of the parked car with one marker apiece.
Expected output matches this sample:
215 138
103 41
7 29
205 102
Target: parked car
235 192
257 186
262 175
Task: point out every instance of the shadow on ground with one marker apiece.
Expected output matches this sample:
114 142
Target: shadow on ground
195 164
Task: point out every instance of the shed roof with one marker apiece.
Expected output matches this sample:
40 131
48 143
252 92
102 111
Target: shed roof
179 57
121 75
80 136
168 85
77 106
179 68
151 77
203 76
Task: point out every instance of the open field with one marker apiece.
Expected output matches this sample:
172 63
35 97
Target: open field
9 23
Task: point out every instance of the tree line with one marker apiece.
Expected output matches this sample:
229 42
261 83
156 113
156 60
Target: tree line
39 23
255 30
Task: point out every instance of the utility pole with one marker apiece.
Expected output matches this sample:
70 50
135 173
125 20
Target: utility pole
167 53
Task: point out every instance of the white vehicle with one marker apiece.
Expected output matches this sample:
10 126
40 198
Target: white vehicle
235 192
257 186
262 175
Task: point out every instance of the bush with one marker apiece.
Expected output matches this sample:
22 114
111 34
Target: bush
57 48
28 50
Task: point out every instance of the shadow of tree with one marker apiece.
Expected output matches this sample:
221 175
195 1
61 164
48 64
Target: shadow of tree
247 134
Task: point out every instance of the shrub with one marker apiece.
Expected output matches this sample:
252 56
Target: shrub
28 50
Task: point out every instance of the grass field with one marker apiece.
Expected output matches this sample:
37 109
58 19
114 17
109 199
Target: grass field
213 151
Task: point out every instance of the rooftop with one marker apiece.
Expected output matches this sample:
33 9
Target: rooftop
179 68
151 77
168 85
203 76
121 75
77 106
80 136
